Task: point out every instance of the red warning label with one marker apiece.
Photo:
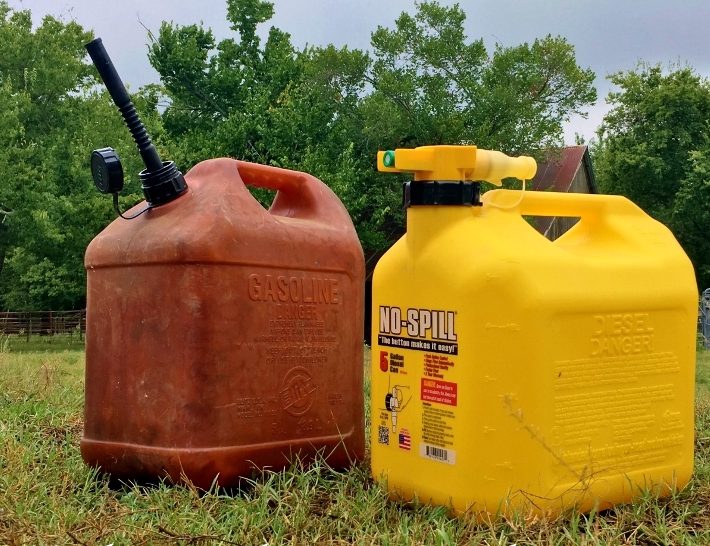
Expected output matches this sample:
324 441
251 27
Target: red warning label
441 392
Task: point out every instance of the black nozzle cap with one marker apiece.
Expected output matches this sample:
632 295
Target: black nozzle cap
163 185
107 170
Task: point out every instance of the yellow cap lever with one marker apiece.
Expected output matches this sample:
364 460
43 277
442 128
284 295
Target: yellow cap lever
456 163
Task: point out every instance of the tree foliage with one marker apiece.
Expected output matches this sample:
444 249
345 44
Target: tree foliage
656 120
691 213
323 110
50 120
653 148
327 110
433 85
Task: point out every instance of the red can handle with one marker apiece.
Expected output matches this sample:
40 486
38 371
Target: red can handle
299 195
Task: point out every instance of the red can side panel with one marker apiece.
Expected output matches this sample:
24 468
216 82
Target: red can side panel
217 347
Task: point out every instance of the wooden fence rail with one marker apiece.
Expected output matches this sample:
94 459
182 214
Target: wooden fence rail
43 323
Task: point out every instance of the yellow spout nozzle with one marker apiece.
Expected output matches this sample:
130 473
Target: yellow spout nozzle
494 166
456 163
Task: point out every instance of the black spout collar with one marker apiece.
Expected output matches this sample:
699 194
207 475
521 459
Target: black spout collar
163 185
442 193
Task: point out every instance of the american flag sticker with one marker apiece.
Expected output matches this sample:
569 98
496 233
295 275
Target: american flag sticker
405 439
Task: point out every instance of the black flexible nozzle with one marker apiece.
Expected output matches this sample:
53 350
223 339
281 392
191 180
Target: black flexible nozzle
161 181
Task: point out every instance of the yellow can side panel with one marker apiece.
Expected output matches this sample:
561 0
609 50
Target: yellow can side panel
514 373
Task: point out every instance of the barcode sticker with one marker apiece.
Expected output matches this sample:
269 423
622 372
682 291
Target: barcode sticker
439 454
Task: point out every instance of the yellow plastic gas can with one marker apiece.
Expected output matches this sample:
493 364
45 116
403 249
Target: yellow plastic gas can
511 373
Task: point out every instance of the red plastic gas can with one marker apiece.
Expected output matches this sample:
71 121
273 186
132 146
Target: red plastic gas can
222 336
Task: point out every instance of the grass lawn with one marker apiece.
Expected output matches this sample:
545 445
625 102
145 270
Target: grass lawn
48 496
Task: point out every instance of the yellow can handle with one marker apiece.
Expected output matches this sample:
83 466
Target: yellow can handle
456 163
539 203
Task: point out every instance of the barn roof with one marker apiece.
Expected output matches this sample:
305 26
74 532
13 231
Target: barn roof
557 172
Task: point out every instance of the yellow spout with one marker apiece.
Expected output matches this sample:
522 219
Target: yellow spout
458 163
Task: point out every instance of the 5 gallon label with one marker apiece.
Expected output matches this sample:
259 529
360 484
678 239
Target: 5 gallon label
417 390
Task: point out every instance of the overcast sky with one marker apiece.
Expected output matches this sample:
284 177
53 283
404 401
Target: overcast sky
609 35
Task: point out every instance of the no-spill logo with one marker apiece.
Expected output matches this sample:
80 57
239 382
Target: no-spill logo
418 323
